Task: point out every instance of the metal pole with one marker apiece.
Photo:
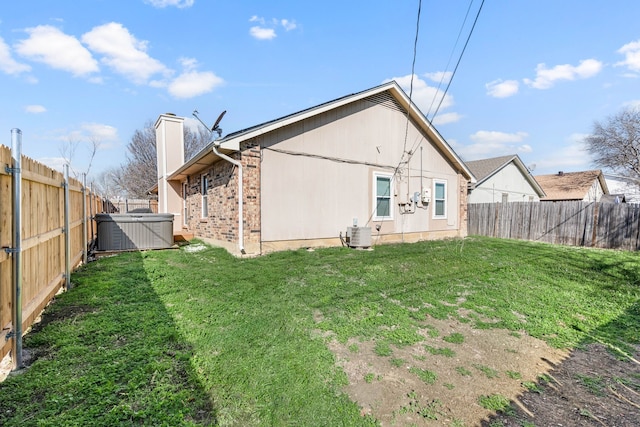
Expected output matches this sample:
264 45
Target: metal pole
84 218
16 154
91 202
67 232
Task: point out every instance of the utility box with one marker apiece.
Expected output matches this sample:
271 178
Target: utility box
359 237
119 232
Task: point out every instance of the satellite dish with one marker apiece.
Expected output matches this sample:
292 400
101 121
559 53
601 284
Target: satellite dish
215 125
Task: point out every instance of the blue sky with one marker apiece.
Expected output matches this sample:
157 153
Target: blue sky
534 77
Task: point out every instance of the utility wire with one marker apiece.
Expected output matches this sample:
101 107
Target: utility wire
406 131
455 45
459 59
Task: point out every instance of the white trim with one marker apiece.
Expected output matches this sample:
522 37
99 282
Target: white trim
435 198
204 197
185 194
374 199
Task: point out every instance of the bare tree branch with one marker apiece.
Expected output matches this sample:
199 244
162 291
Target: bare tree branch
615 143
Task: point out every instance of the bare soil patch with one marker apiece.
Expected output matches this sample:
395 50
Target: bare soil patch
488 362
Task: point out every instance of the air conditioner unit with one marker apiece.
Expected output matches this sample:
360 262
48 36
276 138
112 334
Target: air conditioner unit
359 237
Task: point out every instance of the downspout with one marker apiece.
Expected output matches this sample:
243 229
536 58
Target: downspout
240 196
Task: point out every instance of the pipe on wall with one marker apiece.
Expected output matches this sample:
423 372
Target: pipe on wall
240 196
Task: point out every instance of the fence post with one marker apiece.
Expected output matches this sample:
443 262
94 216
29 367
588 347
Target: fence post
67 232
16 250
84 218
91 203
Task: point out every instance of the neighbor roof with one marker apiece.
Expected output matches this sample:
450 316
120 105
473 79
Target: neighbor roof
570 185
484 169
231 142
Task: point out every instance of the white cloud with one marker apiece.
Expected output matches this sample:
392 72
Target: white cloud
56 163
485 136
439 76
424 96
502 88
492 144
9 65
51 46
632 104
631 51
35 109
288 25
99 131
193 83
443 119
164 3
266 30
571 156
262 33
123 52
546 77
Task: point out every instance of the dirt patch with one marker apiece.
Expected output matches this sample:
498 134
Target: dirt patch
440 380
590 388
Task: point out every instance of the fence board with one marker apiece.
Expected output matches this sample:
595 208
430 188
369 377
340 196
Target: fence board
43 247
602 225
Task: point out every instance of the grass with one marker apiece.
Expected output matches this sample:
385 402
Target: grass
199 338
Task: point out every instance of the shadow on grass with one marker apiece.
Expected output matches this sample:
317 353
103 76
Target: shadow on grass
106 353
599 382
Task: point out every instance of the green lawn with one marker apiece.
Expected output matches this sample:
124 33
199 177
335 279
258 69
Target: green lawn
183 337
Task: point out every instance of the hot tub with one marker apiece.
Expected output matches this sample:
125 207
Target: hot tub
118 232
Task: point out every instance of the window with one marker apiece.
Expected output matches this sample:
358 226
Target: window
204 189
440 199
185 210
383 197
505 197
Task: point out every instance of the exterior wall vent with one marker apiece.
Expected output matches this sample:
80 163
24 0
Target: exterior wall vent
359 237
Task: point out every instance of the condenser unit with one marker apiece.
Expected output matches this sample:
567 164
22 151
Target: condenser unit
359 237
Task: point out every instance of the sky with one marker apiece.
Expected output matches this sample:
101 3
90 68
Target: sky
531 76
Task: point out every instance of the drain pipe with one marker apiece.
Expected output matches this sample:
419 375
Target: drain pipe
240 196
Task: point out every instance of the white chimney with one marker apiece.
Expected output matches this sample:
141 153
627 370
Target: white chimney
170 154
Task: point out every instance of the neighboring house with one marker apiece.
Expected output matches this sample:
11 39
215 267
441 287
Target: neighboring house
587 186
503 179
622 185
369 159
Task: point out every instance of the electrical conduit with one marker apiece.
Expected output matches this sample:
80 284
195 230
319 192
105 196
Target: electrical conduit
240 196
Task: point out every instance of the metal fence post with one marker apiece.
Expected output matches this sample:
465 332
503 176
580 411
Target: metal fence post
84 218
67 232
16 250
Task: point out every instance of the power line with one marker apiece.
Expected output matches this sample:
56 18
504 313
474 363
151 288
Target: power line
455 45
475 21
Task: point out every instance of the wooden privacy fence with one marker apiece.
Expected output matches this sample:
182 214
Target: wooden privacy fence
601 225
43 242
128 205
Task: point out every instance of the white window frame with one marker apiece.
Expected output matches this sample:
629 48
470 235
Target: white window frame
389 176
204 188
436 182
185 212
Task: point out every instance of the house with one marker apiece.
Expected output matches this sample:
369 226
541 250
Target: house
503 179
366 162
623 185
587 186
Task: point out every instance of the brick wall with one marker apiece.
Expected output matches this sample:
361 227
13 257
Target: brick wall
221 222
463 194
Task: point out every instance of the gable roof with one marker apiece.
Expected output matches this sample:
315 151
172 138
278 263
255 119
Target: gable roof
484 169
570 185
399 100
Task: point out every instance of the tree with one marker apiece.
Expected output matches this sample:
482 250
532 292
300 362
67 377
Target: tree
615 143
139 174
68 151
